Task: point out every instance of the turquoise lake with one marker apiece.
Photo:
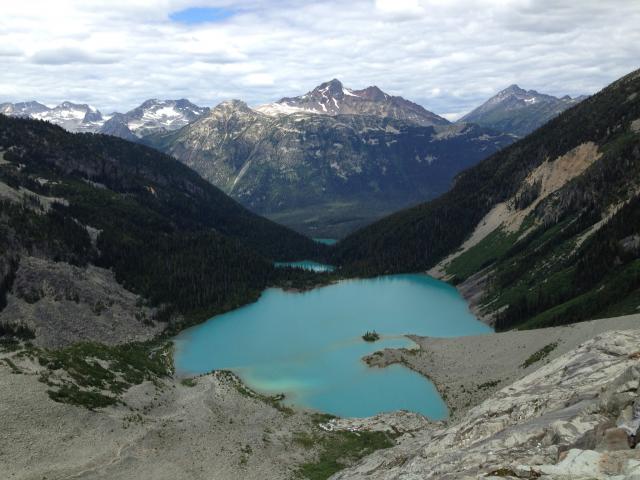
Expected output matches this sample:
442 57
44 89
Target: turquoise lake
326 241
308 345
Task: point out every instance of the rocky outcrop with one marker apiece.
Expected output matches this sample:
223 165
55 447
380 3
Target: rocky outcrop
62 304
558 422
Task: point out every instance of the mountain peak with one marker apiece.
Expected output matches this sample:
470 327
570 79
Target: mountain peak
231 104
333 98
518 111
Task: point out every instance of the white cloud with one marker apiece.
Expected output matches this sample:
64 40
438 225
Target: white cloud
447 55
66 55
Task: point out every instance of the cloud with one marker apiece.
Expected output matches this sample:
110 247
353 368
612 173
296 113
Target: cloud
446 55
10 51
66 55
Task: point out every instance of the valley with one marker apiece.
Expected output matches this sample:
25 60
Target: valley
340 284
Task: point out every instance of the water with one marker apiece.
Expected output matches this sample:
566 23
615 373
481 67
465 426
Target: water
309 346
307 265
326 241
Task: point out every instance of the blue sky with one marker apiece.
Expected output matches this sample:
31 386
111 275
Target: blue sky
447 55
196 15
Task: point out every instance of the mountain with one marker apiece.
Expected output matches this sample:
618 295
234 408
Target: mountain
321 174
541 233
23 109
73 117
96 232
153 117
333 98
518 111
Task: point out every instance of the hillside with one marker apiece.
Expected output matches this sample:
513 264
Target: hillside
94 228
325 175
518 111
541 233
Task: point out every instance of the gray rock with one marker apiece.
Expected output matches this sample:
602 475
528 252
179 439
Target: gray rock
531 425
63 304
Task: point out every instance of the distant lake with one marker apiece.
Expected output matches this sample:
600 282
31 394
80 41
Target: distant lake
326 241
308 345
307 265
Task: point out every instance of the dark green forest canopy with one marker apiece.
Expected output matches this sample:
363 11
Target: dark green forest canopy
417 238
546 276
166 233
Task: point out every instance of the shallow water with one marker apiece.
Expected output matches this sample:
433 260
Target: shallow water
308 345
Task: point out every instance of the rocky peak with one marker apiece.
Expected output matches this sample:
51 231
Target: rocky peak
232 105
332 88
333 98
518 111
373 93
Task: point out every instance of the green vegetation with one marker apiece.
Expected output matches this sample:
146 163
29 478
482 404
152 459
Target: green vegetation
540 354
99 374
274 400
488 385
74 395
17 331
189 382
12 365
481 255
550 272
168 235
338 450
372 336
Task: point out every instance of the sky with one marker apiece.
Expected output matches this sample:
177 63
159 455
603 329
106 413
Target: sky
447 55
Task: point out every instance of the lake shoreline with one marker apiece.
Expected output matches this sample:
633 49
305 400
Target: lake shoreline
295 338
468 370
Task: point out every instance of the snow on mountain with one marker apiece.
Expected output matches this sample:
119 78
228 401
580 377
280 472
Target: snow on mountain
22 109
70 116
153 116
333 98
518 111
150 117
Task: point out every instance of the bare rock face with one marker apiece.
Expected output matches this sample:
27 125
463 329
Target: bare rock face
333 98
63 304
554 423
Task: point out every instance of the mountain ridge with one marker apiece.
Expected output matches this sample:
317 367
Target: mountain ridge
573 234
333 98
518 111
347 169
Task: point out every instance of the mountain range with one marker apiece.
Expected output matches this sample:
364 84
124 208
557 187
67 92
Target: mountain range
544 232
322 174
324 163
333 98
152 116
517 111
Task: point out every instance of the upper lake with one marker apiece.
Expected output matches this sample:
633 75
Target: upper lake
309 345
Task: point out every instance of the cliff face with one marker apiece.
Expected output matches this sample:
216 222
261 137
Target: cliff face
558 422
